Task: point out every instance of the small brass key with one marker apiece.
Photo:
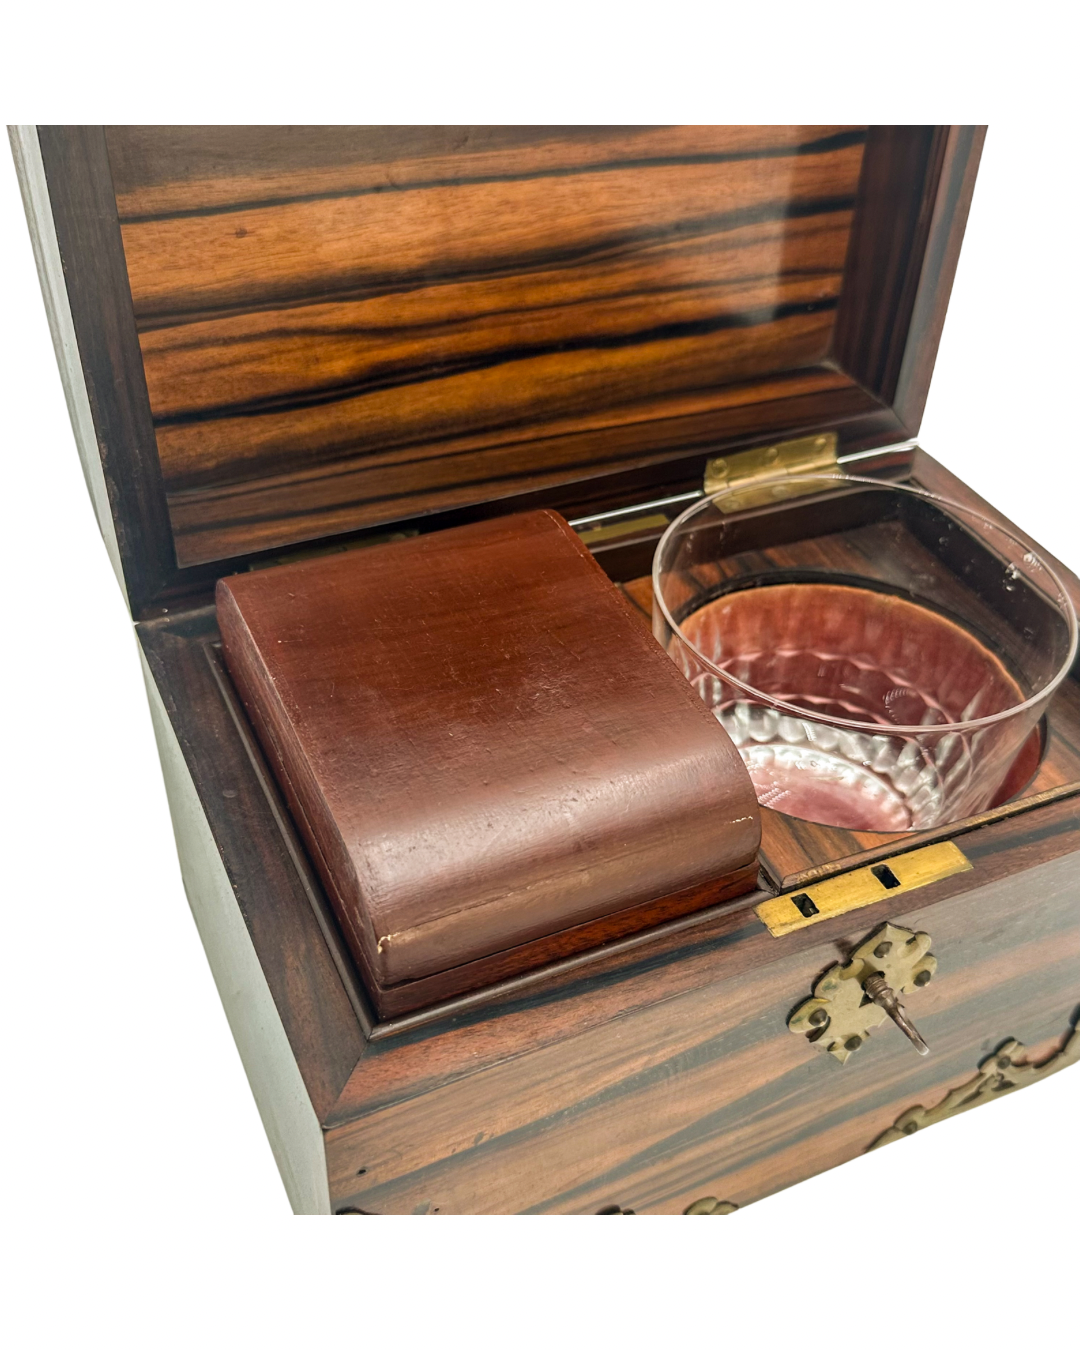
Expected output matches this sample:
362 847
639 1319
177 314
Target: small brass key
886 998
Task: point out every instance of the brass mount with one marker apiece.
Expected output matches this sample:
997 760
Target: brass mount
852 998
759 476
1007 1068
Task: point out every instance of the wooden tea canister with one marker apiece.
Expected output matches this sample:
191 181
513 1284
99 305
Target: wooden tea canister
645 301
492 764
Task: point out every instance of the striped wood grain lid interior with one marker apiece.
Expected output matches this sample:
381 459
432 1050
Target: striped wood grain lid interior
344 326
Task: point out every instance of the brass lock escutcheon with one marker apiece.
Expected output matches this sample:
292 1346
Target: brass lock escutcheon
849 1000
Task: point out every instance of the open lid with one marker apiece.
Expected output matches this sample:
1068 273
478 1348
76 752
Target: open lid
290 333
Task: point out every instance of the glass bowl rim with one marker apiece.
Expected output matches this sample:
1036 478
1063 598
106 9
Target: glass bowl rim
875 728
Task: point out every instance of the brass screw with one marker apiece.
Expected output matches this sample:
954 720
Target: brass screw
818 1017
1004 1062
853 1043
911 1127
883 949
923 977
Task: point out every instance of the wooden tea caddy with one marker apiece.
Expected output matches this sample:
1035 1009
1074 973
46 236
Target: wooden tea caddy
281 340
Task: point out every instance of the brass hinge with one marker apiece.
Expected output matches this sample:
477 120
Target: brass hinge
759 476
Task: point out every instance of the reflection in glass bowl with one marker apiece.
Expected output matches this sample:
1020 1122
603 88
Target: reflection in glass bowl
843 652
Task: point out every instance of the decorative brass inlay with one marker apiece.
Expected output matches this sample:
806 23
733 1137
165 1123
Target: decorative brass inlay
840 1014
708 1204
758 476
866 885
999 1072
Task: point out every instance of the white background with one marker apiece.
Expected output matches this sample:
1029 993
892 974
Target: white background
141 1205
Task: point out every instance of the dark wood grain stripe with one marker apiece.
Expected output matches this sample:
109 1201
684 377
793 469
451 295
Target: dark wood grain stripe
524 350
827 144
358 160
298 505
489 311
319 249
291 283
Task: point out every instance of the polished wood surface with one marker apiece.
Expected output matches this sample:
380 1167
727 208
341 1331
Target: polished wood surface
649 1073
888 242
654 1069
88 234
347 327
698 1087
483 750
374 321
